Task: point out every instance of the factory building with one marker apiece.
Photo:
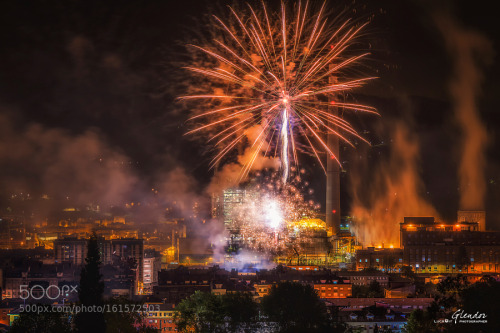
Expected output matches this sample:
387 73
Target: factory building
461 247
309 244
383 259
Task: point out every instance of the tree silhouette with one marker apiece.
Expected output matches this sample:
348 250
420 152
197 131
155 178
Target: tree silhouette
295 308
42 322
375 290
91 291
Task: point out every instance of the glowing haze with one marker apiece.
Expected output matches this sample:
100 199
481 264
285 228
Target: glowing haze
393 194
469 51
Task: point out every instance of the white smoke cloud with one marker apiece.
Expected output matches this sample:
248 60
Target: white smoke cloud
470 51
231 174
82 167
394 192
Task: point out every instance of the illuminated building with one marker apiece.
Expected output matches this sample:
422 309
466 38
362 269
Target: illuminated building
12 232
478 216
42 275
130 248
231 286
262 288
161 317
175 287
223 207
169 255
404 305
231 198
117 288
165 237
333 289
309 243
344 243
386 260
115 251
71 250
460 247
74 250
365 278
5 308
152 265
325 288
46 239
374 319
400 289
326 284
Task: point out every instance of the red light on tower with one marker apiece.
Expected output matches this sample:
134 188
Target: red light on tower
334 211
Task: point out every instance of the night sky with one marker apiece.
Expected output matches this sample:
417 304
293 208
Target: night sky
87 99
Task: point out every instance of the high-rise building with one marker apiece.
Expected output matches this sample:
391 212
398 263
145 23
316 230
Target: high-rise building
223 209
74 250
152 265
130 249
231 199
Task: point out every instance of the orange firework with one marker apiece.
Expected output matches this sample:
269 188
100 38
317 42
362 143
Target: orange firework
268 73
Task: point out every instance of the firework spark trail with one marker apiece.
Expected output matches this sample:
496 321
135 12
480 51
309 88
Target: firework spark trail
271 69
284 150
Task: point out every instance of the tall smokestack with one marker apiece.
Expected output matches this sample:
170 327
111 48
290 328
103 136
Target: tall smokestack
333 176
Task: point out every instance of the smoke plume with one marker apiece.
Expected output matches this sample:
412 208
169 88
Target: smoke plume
84 169
179 187
232 174
80 167
393 193
470 51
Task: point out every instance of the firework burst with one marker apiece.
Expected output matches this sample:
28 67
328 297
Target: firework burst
273 72
271 211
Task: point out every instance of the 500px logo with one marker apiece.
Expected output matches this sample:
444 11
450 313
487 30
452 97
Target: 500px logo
51 292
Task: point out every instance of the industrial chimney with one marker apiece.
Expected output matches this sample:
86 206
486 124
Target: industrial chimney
333 174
